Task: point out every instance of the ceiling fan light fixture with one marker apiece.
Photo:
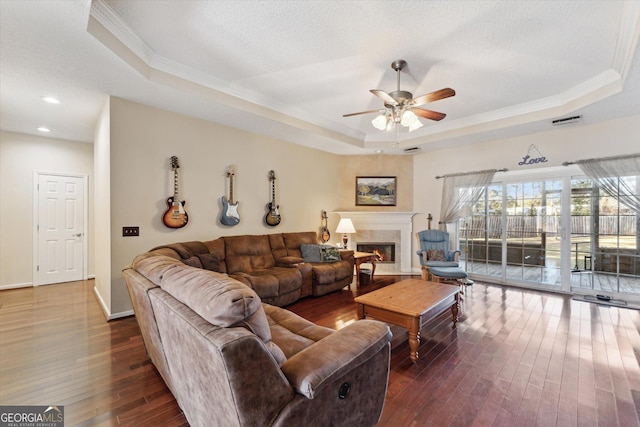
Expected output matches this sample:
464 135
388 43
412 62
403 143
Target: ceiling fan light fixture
408 118
380 122
414 126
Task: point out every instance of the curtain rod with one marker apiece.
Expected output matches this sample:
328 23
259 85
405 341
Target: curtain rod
624 156
471 173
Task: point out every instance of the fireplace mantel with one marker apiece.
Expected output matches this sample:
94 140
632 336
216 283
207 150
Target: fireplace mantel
402 221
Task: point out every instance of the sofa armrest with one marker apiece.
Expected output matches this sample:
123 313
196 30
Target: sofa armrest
289 261
333 356
346 254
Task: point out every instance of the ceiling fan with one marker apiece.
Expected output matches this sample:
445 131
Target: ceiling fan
402 108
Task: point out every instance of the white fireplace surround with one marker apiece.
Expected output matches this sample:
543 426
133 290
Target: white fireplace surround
401 221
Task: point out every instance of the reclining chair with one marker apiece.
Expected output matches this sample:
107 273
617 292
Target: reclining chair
439 263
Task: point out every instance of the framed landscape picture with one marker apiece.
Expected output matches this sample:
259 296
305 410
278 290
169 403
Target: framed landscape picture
376 190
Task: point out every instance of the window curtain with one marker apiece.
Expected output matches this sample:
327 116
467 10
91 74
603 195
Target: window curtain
459 193
609 174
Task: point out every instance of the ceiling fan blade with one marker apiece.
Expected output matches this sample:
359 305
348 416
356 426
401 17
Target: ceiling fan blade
384 96
434 96
428 114
362 112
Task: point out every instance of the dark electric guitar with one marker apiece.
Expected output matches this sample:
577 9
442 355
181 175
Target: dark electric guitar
325 236
230 215
273 215
175 216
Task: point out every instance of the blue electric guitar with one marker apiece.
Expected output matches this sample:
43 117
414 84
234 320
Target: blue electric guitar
230 215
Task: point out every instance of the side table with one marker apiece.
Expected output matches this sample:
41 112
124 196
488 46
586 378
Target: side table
364 257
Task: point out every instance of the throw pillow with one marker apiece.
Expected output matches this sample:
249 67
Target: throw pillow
310 253
319 253
329 253
436 255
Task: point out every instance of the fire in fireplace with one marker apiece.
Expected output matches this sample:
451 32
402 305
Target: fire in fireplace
386 251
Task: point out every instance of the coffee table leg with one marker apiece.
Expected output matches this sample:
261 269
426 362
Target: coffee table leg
360 310
455 308
414 340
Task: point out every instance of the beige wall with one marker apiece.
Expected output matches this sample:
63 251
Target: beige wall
142 139
20 156
132 180
102 188
376 165
582 141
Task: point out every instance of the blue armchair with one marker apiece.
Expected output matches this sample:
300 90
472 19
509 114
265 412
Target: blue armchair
435 240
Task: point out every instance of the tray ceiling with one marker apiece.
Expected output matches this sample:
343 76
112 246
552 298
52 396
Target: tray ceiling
291 69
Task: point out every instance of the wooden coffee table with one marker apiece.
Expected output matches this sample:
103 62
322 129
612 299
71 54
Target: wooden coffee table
410 303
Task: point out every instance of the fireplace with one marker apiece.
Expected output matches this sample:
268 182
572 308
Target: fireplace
385 227
386 251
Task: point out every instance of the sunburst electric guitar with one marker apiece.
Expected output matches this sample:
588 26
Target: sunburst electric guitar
273 217
175 216
230 215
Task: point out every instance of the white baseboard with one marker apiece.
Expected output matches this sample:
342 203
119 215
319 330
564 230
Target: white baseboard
17 285
121 315
105 309
103 305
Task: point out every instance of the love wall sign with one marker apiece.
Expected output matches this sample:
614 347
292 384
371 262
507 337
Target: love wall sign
532 157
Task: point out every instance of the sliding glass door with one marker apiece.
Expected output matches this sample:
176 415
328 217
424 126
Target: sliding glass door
514 233
605 240
554 231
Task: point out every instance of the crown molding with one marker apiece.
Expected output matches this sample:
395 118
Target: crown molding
169 72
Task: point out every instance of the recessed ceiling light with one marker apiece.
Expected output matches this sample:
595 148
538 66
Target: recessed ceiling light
50 99
44 129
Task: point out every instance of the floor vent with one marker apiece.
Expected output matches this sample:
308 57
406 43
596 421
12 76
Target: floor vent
612 302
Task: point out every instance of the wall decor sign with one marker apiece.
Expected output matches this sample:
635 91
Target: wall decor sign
532 157
376 190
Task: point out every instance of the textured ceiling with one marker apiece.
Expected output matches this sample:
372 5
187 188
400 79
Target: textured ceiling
291 69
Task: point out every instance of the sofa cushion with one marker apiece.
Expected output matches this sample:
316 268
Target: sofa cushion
185 249
216 249
153 266
319 253
218 299
193 261
248 253
209 262
265 284
291 332
293 241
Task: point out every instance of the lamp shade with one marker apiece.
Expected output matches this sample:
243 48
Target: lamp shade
345 226
380 122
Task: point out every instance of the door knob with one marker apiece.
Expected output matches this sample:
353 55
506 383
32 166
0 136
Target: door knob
77 235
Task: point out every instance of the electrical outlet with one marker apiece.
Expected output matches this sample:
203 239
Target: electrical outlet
130 231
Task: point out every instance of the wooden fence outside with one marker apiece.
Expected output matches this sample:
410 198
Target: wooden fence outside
532 226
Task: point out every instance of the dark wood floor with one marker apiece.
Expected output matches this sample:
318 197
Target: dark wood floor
517 358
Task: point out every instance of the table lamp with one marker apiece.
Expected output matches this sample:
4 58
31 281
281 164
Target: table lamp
345 226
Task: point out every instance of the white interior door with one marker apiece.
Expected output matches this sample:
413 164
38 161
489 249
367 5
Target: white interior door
60 229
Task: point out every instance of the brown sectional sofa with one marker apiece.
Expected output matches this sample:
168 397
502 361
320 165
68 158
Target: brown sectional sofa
270 264
232 360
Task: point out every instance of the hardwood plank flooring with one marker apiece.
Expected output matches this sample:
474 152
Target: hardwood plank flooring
517 357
